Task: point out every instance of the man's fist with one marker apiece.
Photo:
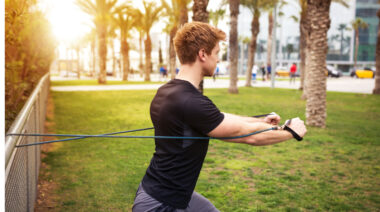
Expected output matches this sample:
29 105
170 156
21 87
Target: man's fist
298 126
273 119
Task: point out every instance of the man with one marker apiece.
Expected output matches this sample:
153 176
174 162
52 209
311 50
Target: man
293 70
179 109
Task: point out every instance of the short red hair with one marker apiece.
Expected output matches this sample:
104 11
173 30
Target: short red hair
193 37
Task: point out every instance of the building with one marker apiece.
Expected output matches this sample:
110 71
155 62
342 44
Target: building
341 37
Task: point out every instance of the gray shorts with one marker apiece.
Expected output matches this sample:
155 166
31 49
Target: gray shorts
144 203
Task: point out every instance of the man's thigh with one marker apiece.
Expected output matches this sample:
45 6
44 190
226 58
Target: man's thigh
144 202
199 203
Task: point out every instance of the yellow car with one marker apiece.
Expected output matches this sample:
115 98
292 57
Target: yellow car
282 72
363 73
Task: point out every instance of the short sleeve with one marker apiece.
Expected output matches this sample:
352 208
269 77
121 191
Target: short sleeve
201 114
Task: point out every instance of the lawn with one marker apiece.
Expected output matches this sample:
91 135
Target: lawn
333 169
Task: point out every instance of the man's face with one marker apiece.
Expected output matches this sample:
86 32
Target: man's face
212 60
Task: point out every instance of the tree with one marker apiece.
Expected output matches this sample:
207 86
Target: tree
233 42
200 14
376 90
318 12
125 22
357 24
200 11
138 16
253 6
26 31
342 28
149 17
102 11
269 6
304 27
216 15
91 38
177 14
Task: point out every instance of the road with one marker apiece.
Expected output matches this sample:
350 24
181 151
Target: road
343 84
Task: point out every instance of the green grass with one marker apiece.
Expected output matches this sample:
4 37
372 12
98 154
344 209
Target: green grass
95 82
333 169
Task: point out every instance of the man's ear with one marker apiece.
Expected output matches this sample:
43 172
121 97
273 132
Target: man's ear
202 55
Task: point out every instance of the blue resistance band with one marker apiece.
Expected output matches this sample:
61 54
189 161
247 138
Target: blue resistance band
112 135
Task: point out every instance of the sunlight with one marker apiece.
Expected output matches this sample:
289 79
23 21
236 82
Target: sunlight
68 22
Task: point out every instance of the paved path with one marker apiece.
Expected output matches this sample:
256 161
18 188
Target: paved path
343 84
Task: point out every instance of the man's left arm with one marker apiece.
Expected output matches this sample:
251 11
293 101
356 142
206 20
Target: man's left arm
273 119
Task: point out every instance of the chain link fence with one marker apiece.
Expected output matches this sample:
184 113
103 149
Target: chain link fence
22 164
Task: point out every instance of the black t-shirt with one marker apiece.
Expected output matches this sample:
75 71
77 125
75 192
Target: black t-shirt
179 109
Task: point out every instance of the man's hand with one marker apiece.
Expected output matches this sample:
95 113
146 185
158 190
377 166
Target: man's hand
298 126
273 119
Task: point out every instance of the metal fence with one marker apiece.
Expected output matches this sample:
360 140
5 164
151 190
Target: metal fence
22 164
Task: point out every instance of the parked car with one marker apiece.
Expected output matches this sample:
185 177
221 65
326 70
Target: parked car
363 73
282 71
332 72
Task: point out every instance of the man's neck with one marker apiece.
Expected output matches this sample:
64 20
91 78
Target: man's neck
191 73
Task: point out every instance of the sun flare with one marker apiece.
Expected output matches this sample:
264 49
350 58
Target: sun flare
68 22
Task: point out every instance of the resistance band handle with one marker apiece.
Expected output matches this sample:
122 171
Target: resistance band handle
295 135
264 115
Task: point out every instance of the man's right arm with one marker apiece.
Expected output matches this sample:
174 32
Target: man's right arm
235 126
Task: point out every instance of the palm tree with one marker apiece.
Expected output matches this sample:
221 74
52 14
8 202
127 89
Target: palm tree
357 24
200 11
253 6
200 14
138 17
102 11
177 14
124 20
216 15
150 16
233 42
304 27
341 28
376 90
318 13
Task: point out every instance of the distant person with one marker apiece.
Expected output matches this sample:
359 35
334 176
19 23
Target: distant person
176 70
263 72
216 73
163 73
293 70
254 73
269 71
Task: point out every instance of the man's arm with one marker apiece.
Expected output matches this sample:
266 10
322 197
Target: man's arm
270 119
235 126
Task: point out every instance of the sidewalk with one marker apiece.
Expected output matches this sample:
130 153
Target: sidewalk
343 84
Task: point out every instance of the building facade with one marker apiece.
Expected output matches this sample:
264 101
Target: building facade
341 36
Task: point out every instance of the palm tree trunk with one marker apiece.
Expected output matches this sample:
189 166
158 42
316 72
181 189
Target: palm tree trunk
141 65
125 61
376 90
269 45
255 29
200 14
303 34
172 54
318 11
356 47
113 59
102 42
183 14
148 60
200 11
93 53
78 63
233 42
